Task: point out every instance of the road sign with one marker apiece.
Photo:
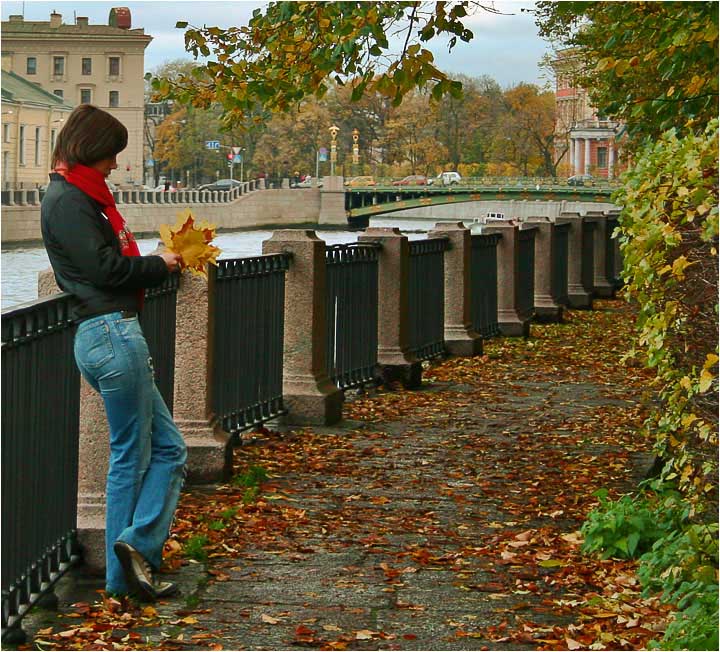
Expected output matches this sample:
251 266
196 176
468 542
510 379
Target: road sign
150 162
236 150
229 157
237 158
212 144
322 154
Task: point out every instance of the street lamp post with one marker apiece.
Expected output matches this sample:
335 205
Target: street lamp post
355 149
334 130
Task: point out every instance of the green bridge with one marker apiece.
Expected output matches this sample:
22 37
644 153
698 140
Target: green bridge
361 203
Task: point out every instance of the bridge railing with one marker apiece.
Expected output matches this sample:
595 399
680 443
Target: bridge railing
483 285
247 339
352 313
427 298
495 182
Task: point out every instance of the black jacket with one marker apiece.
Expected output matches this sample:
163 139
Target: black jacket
85 254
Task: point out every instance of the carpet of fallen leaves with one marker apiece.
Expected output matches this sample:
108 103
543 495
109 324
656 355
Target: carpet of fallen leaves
507 449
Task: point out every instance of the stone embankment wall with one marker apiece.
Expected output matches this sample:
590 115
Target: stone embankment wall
285 207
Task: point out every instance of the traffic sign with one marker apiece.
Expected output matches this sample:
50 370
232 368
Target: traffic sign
236 150
322 154
212 144
237 158
229 157
150 162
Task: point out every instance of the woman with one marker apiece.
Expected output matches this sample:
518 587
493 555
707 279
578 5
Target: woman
95 258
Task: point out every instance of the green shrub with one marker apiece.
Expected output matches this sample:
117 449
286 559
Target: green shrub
681 564
668 234
628 527
695 627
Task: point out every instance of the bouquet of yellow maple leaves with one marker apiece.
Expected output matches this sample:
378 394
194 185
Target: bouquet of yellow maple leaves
192 241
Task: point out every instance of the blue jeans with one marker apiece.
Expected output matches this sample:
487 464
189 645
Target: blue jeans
147 452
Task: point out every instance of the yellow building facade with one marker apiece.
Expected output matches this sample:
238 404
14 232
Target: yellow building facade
82 63
31 120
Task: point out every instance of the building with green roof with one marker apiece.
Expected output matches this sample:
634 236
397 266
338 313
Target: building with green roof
31 119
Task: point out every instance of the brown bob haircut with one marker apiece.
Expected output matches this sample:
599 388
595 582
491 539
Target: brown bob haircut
89 135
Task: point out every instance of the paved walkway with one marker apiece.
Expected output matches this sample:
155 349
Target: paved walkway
444 518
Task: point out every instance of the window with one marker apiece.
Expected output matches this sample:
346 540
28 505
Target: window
21 146
53 135
87 66
59 66
59 93
85 96
6 133
37 146
114 70
602 153
31 68
114 99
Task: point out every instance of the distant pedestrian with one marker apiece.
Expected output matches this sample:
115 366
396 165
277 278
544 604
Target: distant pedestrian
95 258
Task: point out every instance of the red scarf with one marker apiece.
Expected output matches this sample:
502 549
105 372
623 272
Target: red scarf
92 183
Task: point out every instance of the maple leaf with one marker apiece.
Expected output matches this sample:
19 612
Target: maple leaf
192 242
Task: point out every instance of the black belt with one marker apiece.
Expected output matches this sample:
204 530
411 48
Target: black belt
128 314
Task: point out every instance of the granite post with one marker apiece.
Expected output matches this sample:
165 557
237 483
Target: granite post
395 360
546 309
308 393
578 296
209 455
510 321
460 339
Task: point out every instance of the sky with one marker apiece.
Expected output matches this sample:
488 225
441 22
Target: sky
505 47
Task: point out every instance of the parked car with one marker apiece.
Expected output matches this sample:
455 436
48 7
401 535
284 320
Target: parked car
411 180
581 180
161 188
221 184
356 182
447 179
307 182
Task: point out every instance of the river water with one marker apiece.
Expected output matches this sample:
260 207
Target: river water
19 266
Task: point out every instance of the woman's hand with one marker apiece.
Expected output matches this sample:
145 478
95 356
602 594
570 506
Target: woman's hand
171 259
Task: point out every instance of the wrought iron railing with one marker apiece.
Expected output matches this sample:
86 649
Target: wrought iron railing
158 324
587 273
559 263
427 298
40 416
248 296
483 284
352 313
525 285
